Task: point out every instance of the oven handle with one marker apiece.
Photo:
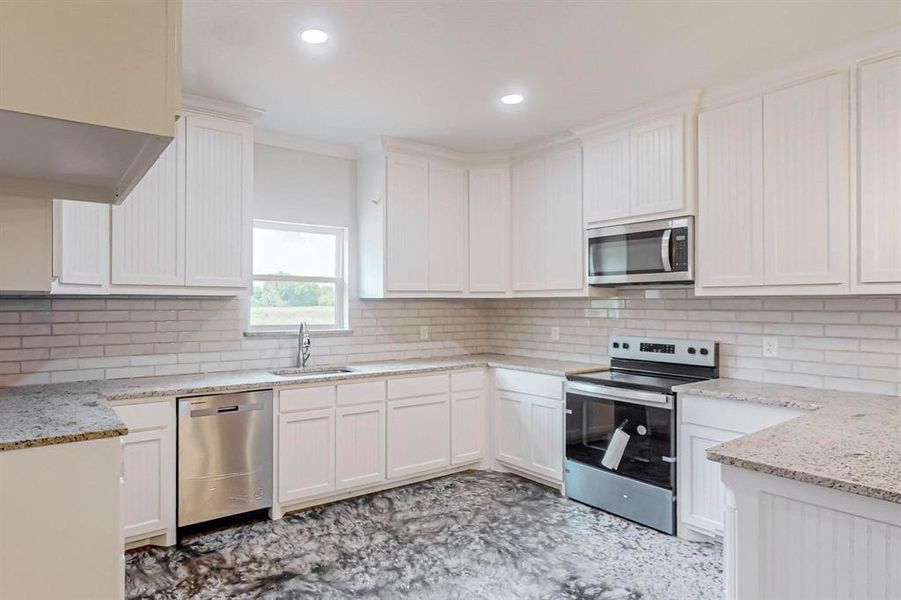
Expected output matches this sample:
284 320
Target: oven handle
665 251
604 392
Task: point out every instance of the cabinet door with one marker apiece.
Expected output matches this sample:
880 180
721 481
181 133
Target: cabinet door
658 177
805 189
82 242
701 492
467 426
306 454
418 435
408 224
148 228
148 493
218 192
545 437
511 426
528 225
359 445
447 227
564 229
730 195
880 171
606 178
489 230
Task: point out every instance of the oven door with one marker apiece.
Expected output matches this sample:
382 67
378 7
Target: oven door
646 446
650 252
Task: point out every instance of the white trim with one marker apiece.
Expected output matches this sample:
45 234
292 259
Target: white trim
301 144
686 102
219 108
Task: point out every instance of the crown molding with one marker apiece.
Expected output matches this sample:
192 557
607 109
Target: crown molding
684 102
220 108
302 144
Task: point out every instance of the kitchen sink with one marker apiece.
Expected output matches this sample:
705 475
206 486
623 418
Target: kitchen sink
312 371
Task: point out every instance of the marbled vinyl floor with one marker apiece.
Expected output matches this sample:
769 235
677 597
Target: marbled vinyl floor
473 535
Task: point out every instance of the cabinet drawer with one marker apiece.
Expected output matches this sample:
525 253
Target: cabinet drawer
306 398
418 386
467 380
733 415
150 415
359 393
524 382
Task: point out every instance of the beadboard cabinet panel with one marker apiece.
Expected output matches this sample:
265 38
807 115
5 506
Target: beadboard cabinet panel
730 203
359 445
563 247
218 189
408 224
657 166
528 230
805 186
447 227
81 242
607 177
489 230
148 229
879 173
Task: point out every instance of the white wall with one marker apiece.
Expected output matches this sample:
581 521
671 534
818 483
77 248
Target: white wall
303 187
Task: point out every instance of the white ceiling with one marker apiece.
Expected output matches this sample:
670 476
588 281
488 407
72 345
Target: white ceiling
433 70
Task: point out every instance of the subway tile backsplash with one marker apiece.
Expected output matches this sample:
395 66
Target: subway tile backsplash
843 343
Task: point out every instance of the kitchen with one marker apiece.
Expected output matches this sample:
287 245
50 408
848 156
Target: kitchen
496 331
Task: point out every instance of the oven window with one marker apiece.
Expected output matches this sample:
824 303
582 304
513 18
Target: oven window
591 424
630 253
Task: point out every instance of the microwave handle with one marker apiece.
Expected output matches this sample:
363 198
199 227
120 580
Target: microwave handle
665 250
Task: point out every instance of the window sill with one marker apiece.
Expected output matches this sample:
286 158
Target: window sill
314 333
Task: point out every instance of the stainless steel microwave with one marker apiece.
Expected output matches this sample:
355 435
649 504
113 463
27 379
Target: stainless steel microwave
642 253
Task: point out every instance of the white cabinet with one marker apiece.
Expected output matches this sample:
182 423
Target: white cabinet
805 186
447 227
730 195
418 435
879 177
489 230
148 468
407 243
706 422
773 193
306 454
360 445
218 193
468 418
636 173
81 233
606 168
148 229
529 423
547 233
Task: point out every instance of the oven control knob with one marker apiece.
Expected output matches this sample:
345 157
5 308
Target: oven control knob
625 346
704 352
616 344
642 430
691 350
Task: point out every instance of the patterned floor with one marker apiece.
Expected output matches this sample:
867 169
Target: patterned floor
478 534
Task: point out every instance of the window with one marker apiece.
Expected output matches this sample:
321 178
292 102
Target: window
298 275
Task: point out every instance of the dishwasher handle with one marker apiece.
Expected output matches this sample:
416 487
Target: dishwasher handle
232 408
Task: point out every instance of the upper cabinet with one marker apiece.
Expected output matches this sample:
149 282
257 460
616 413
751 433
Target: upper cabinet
638 172
81 250
773 193
96 80
489 230
878 265
547 232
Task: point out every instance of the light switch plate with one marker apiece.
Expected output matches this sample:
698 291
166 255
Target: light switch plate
424 332
770 347
555 334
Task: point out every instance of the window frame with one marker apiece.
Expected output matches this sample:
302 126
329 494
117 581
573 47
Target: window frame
339 280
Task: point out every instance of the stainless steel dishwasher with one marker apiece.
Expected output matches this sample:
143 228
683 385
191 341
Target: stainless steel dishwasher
224 455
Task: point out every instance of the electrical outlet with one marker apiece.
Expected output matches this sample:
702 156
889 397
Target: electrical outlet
424 332
555 334
771 347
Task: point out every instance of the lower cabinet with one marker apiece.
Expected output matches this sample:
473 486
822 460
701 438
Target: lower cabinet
360 445
706 422
306 454
529 427
148 471
418 435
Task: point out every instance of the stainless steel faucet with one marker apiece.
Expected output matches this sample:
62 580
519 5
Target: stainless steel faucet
303 345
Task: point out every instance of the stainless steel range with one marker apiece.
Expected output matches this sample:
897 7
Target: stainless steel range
621 427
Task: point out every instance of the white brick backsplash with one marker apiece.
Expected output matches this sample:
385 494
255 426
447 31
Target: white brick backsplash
848 343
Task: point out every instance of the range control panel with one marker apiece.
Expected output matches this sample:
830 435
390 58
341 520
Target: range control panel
686 352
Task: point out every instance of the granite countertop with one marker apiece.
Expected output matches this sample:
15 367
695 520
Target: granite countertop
848 441
42 415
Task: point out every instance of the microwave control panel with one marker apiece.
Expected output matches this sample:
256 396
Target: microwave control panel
680 249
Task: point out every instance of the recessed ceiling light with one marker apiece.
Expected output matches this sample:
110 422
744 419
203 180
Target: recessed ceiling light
313 36
512 99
